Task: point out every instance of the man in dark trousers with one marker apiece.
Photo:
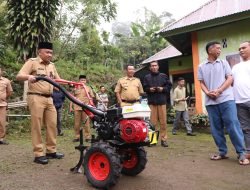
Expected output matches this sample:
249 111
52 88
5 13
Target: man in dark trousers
241 88
157 86
58 99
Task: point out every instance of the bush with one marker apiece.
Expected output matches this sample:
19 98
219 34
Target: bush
18 126
170 115
200 120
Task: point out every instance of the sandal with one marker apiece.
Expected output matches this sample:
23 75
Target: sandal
244 162
219 157
247 156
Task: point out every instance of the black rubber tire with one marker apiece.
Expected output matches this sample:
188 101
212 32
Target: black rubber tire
114 162
140 165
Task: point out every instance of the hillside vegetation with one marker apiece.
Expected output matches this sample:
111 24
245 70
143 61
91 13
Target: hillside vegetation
97 75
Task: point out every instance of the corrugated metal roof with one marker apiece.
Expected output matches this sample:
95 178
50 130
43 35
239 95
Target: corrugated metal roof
168 52
209 11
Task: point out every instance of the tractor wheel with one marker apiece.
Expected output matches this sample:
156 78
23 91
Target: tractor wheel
102 165
134 161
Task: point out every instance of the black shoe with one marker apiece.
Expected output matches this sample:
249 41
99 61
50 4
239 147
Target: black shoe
55 155
174 133
76 140
191 134
4 143
41 160
164 143
60 134
151 145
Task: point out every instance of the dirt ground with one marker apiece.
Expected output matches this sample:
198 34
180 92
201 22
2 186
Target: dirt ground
184 165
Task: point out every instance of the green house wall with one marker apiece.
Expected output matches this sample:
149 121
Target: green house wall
234 33
180 63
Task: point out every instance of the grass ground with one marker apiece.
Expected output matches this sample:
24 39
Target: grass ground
185 164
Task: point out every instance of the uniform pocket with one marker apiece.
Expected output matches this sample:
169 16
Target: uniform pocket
124 86
30 100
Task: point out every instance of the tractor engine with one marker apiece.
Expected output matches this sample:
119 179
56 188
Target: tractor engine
133 130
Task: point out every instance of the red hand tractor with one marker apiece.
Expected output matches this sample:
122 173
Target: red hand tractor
118 147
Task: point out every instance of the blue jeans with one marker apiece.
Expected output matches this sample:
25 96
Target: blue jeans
185 116
225 115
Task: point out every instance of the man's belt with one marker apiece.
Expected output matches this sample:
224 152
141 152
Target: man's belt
130 101
39 94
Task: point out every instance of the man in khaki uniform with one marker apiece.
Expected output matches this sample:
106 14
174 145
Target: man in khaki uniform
40 102
181 110
84 95
5 92
128 89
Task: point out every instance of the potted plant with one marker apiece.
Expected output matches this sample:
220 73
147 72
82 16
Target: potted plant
170 115
200 120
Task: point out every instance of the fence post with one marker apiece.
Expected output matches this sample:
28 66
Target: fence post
25 89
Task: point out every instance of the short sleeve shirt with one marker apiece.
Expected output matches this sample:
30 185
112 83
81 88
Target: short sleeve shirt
129 88
81 94
36 67
214 75
241 87
5 86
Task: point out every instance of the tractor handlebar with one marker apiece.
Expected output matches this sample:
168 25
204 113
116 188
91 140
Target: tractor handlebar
71 97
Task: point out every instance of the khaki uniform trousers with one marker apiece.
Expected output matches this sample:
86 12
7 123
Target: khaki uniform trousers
80 116
2 122
159 113
42 111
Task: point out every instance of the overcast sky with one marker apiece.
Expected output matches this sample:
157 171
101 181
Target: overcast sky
126 9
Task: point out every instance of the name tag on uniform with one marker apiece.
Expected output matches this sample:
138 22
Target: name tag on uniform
41 71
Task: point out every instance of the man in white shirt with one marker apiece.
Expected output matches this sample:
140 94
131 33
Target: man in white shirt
241 88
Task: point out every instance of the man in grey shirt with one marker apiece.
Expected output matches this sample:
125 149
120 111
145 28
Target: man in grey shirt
215 77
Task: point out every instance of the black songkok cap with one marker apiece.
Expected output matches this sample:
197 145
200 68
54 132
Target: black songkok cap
82 77
45 45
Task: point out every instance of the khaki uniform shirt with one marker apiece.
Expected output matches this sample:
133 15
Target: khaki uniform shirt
5 87
129 88
180 93
36 67
81 95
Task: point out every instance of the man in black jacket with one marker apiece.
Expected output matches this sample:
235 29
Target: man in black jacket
58 100
157 86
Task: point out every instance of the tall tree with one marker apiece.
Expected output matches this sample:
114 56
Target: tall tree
73 14
142 41
2 29
7 54
30 21
88 47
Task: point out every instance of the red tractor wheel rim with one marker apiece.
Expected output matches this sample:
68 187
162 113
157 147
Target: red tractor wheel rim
99 166
132 161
